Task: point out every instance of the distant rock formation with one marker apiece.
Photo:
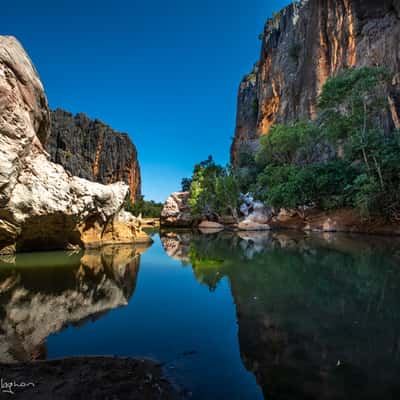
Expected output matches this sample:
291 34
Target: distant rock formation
41 205
305 44
176 211
92 150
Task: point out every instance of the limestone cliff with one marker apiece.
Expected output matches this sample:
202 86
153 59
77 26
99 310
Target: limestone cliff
42 206
302 46
92 150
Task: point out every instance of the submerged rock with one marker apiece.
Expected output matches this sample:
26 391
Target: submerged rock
41 205
176 211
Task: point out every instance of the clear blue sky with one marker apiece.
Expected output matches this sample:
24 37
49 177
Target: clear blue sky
166 72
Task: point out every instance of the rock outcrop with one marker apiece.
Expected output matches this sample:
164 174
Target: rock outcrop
41 205
92 150
304 45
176 211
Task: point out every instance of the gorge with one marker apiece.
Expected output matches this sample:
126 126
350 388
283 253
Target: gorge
302 46
274 277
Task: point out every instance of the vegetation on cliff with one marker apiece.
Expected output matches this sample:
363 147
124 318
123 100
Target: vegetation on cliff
214 190
342 159
346 157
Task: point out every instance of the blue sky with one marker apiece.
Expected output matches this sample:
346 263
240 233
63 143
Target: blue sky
166 72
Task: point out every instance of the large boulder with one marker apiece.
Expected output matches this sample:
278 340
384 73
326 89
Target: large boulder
257 215
41 205
248 225
208 227
176 211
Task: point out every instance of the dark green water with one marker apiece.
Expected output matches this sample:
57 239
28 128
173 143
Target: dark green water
249 316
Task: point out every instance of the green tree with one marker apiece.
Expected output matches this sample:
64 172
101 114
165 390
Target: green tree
214 190
289 144
185 184
148 209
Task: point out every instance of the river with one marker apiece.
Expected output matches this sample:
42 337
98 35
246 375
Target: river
279 315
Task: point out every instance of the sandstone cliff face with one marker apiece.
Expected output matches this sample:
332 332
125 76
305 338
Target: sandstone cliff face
302 47
92 150
41 205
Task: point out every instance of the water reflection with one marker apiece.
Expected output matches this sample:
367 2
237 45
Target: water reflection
42 293
318 316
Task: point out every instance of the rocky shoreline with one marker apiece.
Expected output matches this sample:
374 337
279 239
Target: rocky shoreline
256 217
87 378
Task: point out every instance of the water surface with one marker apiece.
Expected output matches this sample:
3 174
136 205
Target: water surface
249 316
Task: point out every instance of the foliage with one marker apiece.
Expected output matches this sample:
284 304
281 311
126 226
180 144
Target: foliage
287 143
344 158
363 169
148 209
246 169
351 109
326 185
213 191
185 184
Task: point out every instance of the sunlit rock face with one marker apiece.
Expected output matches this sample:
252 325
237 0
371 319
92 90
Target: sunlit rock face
42 206
302 46
37 301
92 150
176 211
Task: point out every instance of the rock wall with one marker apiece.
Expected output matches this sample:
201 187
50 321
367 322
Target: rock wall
92 150
42 206
304 45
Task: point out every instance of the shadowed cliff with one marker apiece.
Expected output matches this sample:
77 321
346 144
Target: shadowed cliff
92 150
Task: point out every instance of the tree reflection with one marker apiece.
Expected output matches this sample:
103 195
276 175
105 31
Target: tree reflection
318 315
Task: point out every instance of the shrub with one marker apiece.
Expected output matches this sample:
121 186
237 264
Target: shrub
148 209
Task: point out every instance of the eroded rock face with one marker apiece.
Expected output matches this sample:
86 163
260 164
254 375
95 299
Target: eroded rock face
304 45
176 211
68 289
92 150
41 205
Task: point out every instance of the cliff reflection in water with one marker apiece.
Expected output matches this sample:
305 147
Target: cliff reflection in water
318 316
42 293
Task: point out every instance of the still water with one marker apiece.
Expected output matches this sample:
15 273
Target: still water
248 316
